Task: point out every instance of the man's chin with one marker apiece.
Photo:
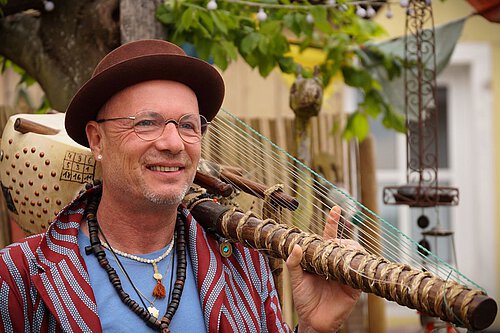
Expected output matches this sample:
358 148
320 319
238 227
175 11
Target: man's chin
170 198
164 200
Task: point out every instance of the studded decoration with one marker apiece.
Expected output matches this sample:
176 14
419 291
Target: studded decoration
41 173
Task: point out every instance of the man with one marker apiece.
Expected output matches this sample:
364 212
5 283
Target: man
143 113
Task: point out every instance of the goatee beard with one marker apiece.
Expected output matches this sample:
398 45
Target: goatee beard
169 200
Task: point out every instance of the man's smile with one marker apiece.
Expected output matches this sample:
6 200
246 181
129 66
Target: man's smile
163 168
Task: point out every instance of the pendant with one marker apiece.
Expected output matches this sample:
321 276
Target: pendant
157 276
154 311
226 249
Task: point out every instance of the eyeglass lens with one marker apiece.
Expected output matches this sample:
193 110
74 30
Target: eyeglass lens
149 125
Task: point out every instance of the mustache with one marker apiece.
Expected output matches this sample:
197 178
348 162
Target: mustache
167 157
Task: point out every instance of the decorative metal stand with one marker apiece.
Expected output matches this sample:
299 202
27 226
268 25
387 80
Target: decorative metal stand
422 189
421 107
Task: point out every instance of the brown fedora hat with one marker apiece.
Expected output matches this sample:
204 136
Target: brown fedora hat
137 62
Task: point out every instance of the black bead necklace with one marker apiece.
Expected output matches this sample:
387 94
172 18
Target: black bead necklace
95 247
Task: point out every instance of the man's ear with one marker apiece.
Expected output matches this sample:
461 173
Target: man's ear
94 137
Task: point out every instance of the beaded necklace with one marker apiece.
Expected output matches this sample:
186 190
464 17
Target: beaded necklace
159 290
96 247
151 308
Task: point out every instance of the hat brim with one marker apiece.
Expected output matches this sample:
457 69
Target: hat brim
202 78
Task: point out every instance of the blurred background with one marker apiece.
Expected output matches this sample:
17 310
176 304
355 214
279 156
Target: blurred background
468 96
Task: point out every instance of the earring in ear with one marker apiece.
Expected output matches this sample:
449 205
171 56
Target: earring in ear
99 157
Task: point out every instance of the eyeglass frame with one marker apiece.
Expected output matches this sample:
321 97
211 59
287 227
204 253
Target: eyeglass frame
203 125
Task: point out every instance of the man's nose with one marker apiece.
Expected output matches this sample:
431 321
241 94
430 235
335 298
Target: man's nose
170 139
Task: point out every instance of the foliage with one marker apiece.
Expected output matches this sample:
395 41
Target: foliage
2 3
24 83
233 29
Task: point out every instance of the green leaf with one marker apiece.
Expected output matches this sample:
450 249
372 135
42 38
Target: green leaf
357 126
220 58
231 50
269 27
243 23
357 77
202 30
366 57
251 60
321 20
165 15
289 22
250 43
266 66
264 43
296 22
203 47
186 19
218 18
304 45
372 104
280 45
207 21
393 66
394 120
287 65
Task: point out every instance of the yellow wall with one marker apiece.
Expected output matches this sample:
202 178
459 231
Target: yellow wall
250 95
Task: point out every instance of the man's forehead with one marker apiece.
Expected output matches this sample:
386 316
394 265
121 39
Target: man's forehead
122 98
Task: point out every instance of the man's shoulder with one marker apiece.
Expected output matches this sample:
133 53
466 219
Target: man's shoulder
17 257
21 246
60 235
67 221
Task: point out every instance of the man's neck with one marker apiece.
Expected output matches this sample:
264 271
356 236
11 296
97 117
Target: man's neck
139 228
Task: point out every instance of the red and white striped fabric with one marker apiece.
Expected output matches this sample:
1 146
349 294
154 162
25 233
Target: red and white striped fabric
45 287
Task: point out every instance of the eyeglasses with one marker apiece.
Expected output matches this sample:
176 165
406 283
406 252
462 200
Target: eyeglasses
149 125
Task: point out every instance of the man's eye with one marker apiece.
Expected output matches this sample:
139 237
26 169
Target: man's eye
146 123
187 126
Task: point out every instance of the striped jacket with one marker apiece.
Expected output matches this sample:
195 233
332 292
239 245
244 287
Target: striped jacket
45 287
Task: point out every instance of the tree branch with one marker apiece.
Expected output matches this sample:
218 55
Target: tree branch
59 49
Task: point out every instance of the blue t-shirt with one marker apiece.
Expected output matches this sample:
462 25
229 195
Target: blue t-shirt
116 317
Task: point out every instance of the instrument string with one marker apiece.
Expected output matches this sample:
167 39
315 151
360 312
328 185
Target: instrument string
292 176
258 161
324 201
237 143
342 226
295 175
